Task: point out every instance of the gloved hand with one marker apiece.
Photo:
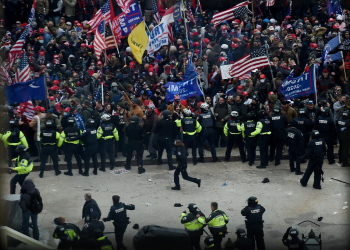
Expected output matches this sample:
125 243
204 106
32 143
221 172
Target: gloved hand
289 228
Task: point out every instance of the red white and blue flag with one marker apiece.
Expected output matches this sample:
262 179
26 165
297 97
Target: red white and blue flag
106 13
17 48
156 15
124 5
31 18
189 13
99 42
23 71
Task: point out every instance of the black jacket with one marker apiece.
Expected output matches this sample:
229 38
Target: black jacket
89 207
27 190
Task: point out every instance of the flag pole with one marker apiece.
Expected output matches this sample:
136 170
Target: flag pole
267 55
342 57
47 93
200 7
315 83
253 20
185 19
102 97
116 44
144 22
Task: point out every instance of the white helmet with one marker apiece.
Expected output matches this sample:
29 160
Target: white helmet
234 114
106 117
205 106
340 18
187 112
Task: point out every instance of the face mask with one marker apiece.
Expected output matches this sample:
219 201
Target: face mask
64 113
41 41
158 92
150 73
339 21
115 88
262 80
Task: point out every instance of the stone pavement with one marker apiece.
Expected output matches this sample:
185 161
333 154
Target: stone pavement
287 203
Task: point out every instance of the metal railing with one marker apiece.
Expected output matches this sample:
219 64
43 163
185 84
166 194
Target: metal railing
6 231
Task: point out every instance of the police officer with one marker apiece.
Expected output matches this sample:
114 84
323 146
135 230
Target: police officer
242 242
12 139
343 131
209 242
71 136
192 224
232 131
264 138
254 222
279 124
181 158
102 241
48 138
316 149
206 120
121 221
89 139
216 221
250 130
325 125
295 144
108 133
304 125
295 242
94 224
67 233
24 165
166 129
134 132
190 127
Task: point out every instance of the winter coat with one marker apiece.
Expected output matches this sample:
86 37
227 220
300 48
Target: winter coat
214 54
27 190
70 7
42 5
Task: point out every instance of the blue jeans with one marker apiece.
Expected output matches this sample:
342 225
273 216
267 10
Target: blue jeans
55 19
26 215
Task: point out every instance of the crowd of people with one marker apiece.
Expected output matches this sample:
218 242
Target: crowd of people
115 105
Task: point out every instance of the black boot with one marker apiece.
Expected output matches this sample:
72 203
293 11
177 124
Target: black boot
195 162
299 173
41 175
80 171
201 159
127 168
58 172
111 168
68 173
199 183
215 159
159 162
260 166
176 188
85 174
95 171
171 167
102 169
141 170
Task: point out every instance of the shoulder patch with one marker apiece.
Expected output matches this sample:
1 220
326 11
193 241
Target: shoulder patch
23 161
179 153
184 218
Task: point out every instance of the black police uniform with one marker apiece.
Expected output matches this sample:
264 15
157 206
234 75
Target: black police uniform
264 141
343 131
167 131
244 244
106 145
89 139
92 226
294 243
181 158
49 148
72 134
206 120
189 136
234 135
254 224
278 131
295 143
134 132
325 125
250 140
121 221
90 207
305 126
316 149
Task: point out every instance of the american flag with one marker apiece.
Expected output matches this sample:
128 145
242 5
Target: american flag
245 76
109 38
23 71
246 64
270 3
17 48
156 15
189 13
4 76
99 41
116 28
239 9
106 13
31 18
124 5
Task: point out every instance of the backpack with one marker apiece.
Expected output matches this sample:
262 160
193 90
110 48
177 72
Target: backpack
36 203
96 117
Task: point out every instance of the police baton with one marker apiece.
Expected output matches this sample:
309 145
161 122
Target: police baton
205 232
341 181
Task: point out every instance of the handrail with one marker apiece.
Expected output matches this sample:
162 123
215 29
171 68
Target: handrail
6 231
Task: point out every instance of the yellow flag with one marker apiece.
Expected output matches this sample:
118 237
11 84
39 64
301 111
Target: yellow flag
138 41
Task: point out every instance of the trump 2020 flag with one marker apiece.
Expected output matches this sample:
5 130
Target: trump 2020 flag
326 56
157 38
299 86
185 89
25 91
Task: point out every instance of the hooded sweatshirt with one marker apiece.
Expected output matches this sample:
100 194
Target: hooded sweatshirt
27 190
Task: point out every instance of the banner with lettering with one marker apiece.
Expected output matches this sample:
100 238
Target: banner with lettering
157 38
184 89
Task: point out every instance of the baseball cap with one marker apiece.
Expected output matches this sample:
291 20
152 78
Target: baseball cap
69 23
310 102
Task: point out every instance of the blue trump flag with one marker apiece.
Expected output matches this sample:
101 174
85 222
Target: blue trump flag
134 16
184 89
299 86
326 57
334 8
190 70
25 91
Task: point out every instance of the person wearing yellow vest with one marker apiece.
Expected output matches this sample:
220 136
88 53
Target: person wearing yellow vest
209 242
102 241
66 232
192 224
24 166
12 138
216 221
190 127
71 136
108 133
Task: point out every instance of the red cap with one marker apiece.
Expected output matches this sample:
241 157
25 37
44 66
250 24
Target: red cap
66 110
330 20
325 71
41 30
132 64
41 53
55 56
90 46
79 25
245 93
195 44
223 28
335 26
76 21
180 73
262 76
54 88
313 45
99 63
56 82
42 109
24 25
237 21
52 98
206 40
271 93
347 65
181 47
233 45
41 38
239 87
195 34
83 45
196 51
222 59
